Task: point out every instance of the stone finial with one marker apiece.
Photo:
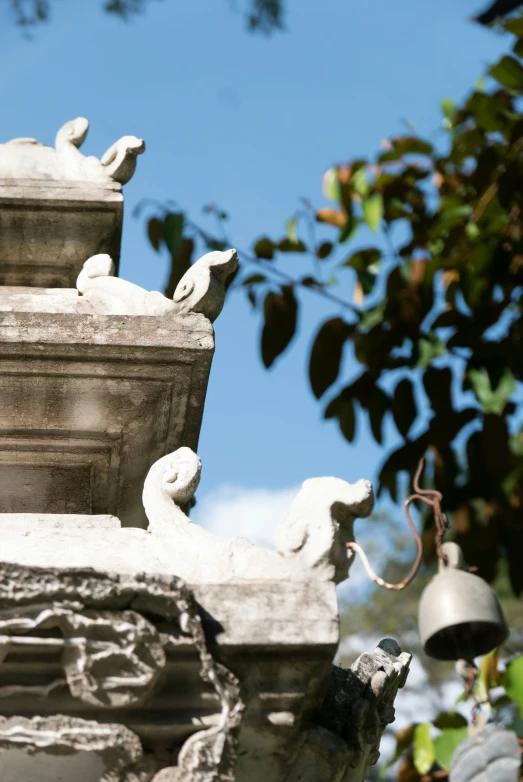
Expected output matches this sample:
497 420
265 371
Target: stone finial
320 521
26 158
201 289
120 158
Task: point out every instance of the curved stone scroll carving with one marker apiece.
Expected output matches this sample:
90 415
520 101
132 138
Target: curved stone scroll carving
110 658
26 158
51 741
310 540
113 654
201 289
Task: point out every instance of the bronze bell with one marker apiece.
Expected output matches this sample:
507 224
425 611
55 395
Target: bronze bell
459 615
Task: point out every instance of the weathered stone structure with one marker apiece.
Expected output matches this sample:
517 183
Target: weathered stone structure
134 645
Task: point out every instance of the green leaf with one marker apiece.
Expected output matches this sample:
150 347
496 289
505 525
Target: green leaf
450 719
424 753
404 409
508 72
215 244
374 316
448 108
492 400
513 681
378 403
155 232
404 739
172 231
331 185
472 230
342 408
518 48
446 744
373 210
180 263
362 259
405 145
489 675
253 279
288 246
280 312
292 226
425 351
360 182
264 248
347 420
324 364
324 250
514 26
349 230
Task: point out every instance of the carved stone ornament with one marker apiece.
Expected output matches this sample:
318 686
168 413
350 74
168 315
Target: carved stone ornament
201 289
112 657
58 206
27 158
136 646
310 540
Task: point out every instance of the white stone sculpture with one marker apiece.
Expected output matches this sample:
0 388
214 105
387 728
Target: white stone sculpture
310 540
112 657
201 289
113 668
26 158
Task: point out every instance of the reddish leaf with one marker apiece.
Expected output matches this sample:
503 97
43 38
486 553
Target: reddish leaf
331 217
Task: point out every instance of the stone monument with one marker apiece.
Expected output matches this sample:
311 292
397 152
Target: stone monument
134 645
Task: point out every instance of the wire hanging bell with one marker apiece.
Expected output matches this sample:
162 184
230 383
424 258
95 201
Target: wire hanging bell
459 615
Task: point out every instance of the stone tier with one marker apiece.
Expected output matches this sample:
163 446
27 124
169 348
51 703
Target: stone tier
90 401
108 669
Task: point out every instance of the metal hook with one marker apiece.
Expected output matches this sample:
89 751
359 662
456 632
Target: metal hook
430 497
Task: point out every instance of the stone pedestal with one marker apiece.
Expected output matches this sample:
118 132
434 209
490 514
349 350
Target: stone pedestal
90 401
48 230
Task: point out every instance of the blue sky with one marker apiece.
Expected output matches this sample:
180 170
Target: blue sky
249 123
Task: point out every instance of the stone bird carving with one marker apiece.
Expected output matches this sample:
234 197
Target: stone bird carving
120 158
310 541
202 287
108 295
26 158
320 523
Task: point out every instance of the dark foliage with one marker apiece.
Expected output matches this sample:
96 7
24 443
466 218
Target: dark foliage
435 321
263 16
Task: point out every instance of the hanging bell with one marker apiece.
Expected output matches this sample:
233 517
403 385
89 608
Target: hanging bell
459 615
